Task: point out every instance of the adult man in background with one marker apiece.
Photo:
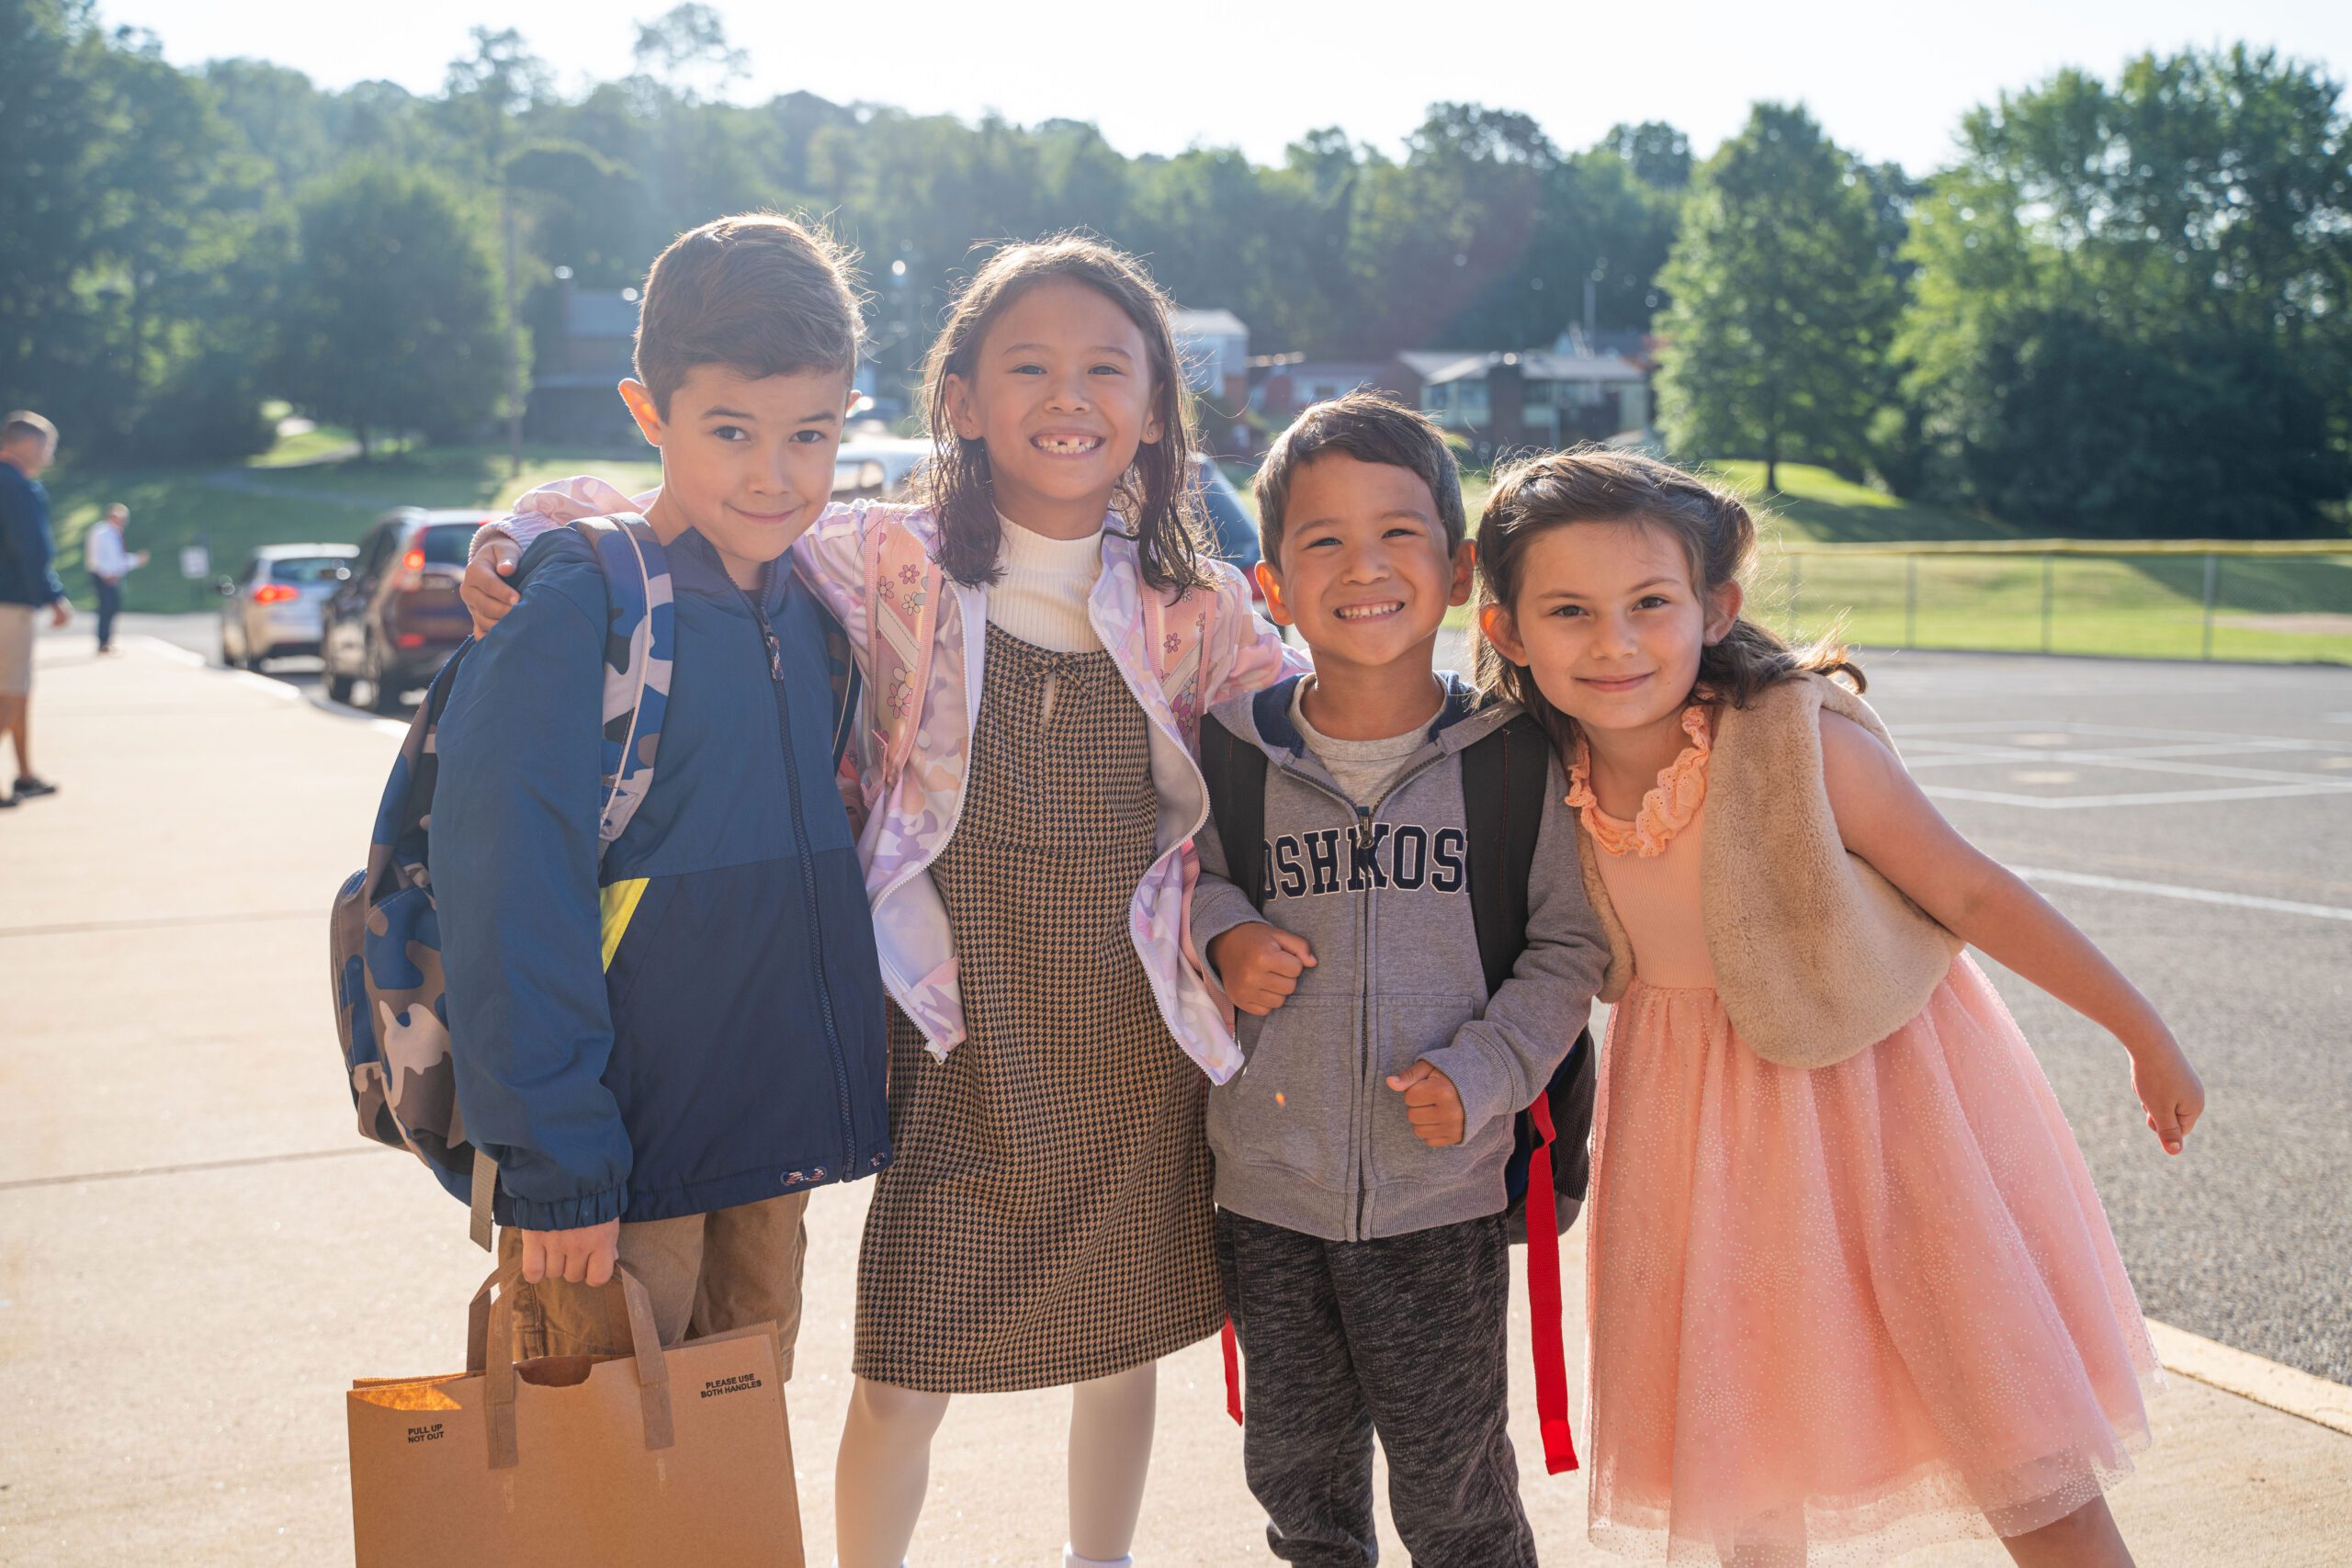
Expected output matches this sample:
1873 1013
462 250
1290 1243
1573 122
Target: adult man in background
109 562
28 583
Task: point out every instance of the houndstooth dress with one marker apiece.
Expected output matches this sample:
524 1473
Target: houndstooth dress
1047 1216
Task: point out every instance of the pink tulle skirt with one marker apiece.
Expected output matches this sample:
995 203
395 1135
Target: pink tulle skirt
1837 1315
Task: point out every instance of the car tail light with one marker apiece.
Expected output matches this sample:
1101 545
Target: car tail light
412 577
275 593
410 639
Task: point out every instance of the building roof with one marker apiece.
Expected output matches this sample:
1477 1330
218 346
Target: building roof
1536 365
599 312
1208 323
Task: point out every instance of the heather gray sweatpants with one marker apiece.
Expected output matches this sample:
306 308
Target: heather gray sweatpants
1403 1336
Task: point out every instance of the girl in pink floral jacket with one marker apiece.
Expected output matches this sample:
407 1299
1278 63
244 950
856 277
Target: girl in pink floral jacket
1040 636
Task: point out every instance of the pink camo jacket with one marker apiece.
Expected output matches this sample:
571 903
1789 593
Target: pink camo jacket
908 827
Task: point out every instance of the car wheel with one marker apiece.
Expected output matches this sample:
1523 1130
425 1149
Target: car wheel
383 693
228 650
338 684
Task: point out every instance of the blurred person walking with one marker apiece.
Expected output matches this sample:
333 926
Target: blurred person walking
104 553
28 583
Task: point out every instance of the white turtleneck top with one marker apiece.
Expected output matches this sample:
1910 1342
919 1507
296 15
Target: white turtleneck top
1041 598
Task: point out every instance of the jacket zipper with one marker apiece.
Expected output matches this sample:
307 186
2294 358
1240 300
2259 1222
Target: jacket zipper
807 879
1360 1142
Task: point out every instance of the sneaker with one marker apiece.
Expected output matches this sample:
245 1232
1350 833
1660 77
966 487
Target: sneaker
6 801
29 788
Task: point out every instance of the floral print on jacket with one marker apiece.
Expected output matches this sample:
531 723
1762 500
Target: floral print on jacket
910 820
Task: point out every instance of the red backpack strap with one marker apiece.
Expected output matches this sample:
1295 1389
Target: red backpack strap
1232 1372
1544 1304
902 588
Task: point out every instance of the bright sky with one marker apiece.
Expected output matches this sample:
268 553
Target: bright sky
1889 81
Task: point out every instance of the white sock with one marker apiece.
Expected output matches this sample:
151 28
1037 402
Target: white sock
1071 1559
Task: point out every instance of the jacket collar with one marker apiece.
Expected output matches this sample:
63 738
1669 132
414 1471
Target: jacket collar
694 566
1270 712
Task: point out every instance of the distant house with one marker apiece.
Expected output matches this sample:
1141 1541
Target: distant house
1289 385
1214 348
572 402
1545 396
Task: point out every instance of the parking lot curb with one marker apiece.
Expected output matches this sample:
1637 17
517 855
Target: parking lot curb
2266 1382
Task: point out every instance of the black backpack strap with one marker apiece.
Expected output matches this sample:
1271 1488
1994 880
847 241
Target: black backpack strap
1236 771
1503 778
848 683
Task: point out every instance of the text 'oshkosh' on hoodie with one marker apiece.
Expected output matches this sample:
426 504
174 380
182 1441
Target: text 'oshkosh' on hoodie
1309 1136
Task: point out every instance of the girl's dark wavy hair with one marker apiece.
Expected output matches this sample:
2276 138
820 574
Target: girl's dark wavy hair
1158 497
1713 526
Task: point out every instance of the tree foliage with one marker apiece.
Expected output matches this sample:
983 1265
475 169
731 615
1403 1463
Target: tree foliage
393 315
2133 302
1785 301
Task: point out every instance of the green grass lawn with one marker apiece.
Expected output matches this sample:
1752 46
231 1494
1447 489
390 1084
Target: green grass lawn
310 488
2293 608
302 491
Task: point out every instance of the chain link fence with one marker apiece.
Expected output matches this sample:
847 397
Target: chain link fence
2190 599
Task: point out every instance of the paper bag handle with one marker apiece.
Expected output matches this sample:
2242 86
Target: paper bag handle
490 1323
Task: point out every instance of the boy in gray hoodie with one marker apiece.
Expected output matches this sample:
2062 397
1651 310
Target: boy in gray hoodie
1360 1153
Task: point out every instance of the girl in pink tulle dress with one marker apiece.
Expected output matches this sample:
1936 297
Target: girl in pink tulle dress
1850 1289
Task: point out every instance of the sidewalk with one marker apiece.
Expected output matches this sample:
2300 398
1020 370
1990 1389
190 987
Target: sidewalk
197 1253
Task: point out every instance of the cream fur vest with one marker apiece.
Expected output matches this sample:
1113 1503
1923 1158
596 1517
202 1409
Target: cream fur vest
1816 955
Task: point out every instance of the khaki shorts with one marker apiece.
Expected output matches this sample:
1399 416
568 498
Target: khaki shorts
705 1274
16 649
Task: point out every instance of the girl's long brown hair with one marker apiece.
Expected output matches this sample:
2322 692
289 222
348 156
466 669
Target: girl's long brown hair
1157 498
1717 537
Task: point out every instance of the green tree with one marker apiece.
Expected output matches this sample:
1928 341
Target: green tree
1783 302
2133 302
394 323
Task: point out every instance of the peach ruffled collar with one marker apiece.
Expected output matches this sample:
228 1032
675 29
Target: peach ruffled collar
1665 810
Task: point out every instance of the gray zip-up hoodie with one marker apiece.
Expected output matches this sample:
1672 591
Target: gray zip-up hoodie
1309 1135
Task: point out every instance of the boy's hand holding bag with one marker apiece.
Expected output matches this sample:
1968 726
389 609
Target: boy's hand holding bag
679 1455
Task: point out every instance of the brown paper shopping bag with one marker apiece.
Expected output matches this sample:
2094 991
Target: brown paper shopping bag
678 1456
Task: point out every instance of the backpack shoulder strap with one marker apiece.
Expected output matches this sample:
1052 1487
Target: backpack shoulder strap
1503 775
1236 771
902 590
640 641
848 685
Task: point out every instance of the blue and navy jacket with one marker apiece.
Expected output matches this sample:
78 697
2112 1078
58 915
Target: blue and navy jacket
27 572
698 1023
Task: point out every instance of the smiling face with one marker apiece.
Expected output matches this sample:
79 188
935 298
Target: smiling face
1366 573
747 462
1062 392
1608 622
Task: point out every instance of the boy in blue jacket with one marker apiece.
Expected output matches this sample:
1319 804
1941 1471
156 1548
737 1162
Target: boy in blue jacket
661 1055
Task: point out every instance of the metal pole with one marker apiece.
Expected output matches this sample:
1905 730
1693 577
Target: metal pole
1910 601
2212 585
2045 603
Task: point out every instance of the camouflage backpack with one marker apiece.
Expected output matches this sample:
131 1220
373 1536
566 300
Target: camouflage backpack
384 933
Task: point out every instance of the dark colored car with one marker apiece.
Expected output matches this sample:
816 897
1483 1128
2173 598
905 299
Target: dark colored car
396 615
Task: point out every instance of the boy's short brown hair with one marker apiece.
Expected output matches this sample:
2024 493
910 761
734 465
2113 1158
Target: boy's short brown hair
19 423
758 293
1371 429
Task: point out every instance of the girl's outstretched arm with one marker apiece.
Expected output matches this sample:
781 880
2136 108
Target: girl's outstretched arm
1883 816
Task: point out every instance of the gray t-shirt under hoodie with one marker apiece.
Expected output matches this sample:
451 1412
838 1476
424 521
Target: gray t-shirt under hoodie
1363 768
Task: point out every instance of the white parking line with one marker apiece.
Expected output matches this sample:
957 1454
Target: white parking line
2125 732
2152 797
2119 761
2195 895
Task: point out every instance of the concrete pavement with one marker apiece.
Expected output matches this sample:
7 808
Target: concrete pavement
196 1254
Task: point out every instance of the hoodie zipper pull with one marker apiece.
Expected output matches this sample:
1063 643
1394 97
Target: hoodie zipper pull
1363 827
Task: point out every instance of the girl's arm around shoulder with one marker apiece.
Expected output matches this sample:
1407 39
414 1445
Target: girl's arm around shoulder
1241 650
497 549
1883 816
830 557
